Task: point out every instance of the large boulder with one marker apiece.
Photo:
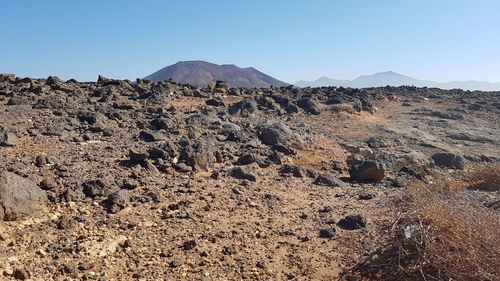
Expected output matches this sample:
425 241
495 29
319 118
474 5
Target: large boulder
244 108
19 197
279 133
309 105
368 171
449 160
200 155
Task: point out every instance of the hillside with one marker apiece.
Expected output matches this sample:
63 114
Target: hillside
199 73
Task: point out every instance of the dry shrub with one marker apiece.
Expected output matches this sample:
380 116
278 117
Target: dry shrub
443 233
456 238
484 176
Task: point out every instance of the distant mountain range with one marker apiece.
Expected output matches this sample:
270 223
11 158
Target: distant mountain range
391 78
199 73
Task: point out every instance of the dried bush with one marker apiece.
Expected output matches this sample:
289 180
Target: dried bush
455 237
442 233
484 176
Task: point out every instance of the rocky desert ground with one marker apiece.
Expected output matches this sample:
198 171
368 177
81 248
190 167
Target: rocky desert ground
135 180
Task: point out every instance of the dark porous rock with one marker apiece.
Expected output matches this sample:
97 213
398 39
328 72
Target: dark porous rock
214 102
413 173
200 155
221 86
48 184
246 159
66 222
238 136
95 188
90 117
242 173
366 196
183 168
383 142
368 171
328 233
354 159
296 171
152 136
292 109
449 160
273 197
399 182
244 108
309 105
189 245
9 139
339 166
129 184
148 164
21 274
352 222
287 150
176 262
275 158
136 156
117 200
279 133
19 197
53 80
328 180
18 101
164 124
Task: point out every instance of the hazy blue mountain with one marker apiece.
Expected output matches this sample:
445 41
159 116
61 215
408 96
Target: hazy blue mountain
199 73
383 79
391 78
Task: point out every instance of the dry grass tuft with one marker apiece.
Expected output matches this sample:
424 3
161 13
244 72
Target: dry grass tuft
456 237
484 176
443 233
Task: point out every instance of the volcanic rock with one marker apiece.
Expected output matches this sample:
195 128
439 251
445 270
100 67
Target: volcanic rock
19 197
368 171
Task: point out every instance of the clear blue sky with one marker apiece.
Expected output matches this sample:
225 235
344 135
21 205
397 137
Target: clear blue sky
291 40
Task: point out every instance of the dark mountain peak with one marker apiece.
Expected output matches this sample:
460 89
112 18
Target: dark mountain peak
199 73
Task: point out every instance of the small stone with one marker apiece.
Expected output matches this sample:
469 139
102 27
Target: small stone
366 196
183 168
85 265
352 222
189 245
246 159
21 274
117 200
136 156
176 262
242 173
328 233
328 180
449 160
